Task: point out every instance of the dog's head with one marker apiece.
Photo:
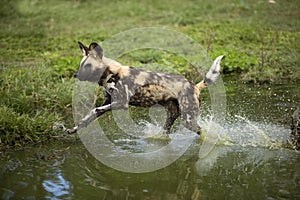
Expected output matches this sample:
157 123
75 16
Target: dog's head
91 65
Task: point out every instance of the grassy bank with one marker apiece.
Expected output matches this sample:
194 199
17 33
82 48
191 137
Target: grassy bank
39 52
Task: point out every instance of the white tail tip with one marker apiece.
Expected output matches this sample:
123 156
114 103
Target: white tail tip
214 71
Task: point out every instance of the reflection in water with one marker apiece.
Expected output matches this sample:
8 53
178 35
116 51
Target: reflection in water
57 187
252 172
255 172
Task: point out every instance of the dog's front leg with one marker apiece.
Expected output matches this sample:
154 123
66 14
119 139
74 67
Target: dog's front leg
90 117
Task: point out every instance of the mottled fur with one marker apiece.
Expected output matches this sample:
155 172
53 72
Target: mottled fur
131 86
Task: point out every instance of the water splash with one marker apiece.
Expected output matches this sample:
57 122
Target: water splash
238 130
254 140
235 131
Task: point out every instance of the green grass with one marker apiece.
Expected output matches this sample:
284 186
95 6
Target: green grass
39 52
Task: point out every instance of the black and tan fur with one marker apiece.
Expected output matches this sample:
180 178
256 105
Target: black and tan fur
126 86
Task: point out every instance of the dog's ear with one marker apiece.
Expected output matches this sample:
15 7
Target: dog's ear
96 50
84 49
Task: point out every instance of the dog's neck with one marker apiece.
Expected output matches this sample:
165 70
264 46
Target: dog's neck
115 67
113 72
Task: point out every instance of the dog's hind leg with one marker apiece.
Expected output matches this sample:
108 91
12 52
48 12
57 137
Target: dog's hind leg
90 117
189 108
172 114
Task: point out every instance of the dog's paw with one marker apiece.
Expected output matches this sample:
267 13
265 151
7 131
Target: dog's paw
71 130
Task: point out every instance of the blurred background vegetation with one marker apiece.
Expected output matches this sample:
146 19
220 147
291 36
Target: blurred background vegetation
39 51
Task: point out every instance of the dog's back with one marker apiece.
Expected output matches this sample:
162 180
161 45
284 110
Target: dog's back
149 88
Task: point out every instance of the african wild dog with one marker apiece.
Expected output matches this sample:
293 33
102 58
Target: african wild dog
126 86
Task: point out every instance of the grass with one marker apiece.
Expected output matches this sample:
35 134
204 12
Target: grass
39 52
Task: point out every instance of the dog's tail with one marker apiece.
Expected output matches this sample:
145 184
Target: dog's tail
211 75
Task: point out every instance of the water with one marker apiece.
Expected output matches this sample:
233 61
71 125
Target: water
247 161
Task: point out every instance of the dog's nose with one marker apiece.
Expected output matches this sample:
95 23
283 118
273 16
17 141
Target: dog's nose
75 74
